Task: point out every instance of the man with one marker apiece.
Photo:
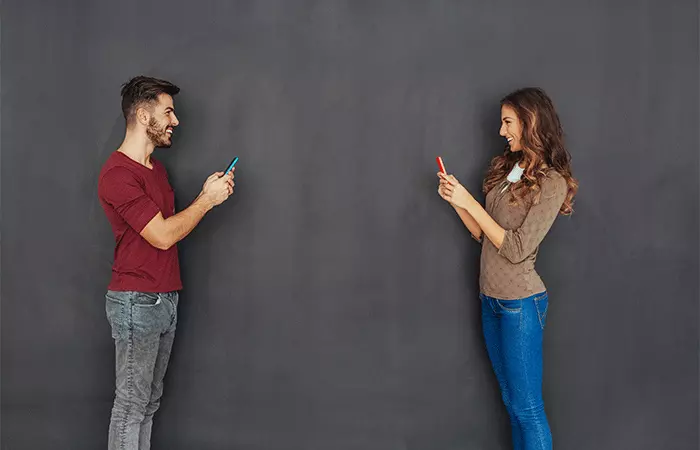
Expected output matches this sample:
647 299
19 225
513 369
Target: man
142 295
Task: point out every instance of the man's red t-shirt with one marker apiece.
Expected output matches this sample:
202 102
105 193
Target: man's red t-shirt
131 195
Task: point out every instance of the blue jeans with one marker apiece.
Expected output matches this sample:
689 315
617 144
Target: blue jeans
143 329
513 334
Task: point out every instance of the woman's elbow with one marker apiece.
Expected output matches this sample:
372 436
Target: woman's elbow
511 251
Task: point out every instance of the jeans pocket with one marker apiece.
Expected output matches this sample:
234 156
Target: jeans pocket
541 305
149 314
117 318
512 306
147 299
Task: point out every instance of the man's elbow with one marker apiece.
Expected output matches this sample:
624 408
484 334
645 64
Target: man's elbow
163 245
157 233
159 240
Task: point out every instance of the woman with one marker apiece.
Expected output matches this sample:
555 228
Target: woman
526 189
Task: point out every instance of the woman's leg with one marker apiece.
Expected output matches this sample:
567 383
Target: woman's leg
493 336
522 325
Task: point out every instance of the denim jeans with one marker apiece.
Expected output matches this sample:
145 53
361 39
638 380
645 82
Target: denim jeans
513 334
143 328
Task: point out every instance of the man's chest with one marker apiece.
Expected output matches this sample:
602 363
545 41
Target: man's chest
159 190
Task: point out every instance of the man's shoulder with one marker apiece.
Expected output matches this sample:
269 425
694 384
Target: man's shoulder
115 172
116 164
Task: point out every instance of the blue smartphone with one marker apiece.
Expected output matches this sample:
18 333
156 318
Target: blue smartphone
230 166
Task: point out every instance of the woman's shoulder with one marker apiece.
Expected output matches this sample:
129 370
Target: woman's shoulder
553 178
553 184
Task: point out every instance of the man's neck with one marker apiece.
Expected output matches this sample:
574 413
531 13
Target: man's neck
138 148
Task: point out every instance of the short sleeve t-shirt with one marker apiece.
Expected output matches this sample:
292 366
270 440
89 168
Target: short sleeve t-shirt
131 195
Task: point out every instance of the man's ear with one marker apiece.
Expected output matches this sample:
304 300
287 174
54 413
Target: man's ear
143 116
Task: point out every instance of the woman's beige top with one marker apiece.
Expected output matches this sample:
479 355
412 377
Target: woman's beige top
509 273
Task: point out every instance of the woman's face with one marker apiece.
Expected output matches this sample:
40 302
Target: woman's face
511 129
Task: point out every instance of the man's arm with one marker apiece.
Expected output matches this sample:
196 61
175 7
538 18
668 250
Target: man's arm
164 233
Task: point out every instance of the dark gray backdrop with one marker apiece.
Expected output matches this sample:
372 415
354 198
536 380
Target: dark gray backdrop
332 302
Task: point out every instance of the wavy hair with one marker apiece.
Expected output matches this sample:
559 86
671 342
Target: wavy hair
543 148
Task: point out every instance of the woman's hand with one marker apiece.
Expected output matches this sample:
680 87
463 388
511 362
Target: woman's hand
453 192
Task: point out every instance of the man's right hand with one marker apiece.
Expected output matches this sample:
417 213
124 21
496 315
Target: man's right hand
218 187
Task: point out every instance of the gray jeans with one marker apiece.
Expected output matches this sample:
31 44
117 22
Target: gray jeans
143 328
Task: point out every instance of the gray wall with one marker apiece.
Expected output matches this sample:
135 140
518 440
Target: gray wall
332 303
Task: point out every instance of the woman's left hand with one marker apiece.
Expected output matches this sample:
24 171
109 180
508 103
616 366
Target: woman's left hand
452 191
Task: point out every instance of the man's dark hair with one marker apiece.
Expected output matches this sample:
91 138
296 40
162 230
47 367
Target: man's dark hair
142 89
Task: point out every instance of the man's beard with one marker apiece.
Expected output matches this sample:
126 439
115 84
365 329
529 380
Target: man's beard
156 133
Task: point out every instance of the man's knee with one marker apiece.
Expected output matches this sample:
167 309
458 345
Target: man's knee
130 406
152 406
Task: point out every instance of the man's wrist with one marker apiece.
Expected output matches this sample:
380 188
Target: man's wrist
203 202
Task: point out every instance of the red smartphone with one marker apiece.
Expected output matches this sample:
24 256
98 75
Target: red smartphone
441 165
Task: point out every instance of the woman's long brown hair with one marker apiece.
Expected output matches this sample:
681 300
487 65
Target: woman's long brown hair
543 148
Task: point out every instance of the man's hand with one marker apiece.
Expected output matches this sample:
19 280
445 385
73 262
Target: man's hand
217 188
164 233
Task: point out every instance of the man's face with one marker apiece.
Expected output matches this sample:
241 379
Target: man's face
162 122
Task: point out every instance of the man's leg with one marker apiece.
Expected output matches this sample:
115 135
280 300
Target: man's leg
137 322
161 366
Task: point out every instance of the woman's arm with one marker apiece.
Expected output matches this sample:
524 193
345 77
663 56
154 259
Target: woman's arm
515 245
475 218
467 219
469 222
484 221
